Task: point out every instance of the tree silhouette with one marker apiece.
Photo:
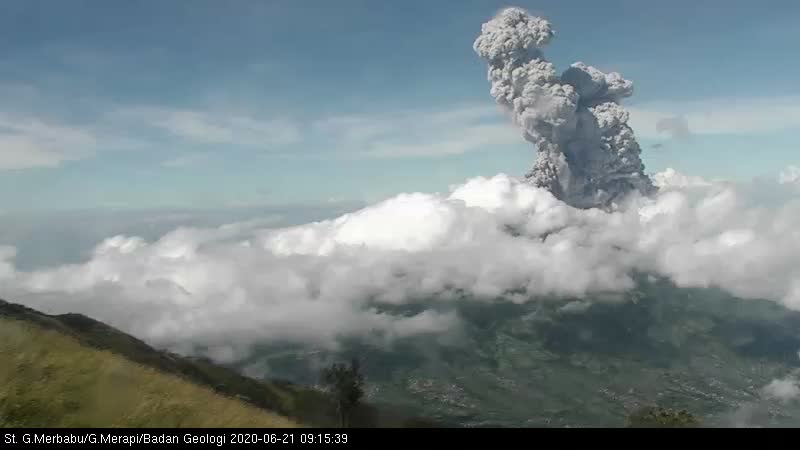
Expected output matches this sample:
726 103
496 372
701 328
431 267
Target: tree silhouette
346 384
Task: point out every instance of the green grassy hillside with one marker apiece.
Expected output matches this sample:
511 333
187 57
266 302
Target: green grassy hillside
48 379
71 370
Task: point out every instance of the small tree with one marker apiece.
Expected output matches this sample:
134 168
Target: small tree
657 417
347 386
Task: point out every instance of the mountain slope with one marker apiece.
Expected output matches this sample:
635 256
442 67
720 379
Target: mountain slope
593 364
679 348
87 366
49 379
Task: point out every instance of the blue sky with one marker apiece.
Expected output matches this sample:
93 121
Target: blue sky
210 104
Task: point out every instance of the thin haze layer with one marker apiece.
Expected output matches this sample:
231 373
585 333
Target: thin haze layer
587 154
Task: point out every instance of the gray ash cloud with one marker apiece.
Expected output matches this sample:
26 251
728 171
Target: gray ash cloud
588 155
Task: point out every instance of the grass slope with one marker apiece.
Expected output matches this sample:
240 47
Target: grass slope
71 370
48 379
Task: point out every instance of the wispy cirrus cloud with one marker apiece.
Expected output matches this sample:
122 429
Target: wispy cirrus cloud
716 116
187 160
190 136
455 142
398 134
789 175
677 126
29 142
202 127
419 133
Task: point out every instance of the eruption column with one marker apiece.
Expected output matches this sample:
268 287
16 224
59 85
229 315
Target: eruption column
587 154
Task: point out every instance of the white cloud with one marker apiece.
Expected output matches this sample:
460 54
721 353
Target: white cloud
782 389
27 142
186 160
353 129
575 307
241 284
7 254
789 175
452 142
717 116
421 133
677 126
214 127
670 178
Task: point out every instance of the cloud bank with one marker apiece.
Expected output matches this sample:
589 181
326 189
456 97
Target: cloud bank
360 274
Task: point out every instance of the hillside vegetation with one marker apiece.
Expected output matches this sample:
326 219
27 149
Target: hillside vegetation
48 379
70 370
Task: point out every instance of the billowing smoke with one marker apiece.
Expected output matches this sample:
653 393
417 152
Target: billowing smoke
587 154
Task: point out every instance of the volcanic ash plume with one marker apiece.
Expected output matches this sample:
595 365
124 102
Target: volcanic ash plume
587 153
